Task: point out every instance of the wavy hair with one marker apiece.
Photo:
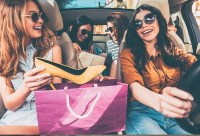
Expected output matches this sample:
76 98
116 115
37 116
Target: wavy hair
82 20
120 22
13 36
164 45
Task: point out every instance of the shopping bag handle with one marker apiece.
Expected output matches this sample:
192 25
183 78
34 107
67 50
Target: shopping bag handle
89 112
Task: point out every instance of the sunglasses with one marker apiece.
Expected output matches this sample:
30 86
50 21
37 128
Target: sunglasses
84 32
111 29
148 19
36 16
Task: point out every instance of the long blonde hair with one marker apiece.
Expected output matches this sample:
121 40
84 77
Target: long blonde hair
13 36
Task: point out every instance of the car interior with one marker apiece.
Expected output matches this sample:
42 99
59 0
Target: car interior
179 12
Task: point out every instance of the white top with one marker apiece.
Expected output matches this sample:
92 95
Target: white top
26 114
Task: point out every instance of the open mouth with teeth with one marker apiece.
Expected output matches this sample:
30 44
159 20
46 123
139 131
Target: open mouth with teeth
147 31
38 27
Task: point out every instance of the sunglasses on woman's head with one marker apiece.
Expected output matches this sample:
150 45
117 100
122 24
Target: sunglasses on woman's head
35 16
84 32
110 29
148 19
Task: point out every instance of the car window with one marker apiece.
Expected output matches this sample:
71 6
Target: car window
100 29
196 11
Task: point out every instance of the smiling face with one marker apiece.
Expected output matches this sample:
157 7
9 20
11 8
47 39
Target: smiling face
148 32
81 36
112 31
34 29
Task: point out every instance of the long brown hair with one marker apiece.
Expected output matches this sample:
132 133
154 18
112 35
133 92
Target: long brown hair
164 45
13 36
120 22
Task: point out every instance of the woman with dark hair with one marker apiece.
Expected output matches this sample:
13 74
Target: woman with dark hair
81 34
152 65
117 24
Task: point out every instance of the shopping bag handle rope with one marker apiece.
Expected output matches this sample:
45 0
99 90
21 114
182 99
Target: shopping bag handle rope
79 60
89 112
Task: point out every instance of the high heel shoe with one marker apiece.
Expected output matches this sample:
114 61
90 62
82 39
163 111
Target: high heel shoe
78 76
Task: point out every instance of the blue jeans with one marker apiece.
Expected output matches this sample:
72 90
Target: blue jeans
142 119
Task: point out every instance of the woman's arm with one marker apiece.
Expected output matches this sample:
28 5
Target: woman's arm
172 102
77 47
113 69
188 58
32 81
57 57
145 96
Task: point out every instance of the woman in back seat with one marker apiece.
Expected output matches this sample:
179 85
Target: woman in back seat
81 34
117 24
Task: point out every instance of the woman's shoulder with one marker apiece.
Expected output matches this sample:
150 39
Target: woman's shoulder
111 42
56 48
127 53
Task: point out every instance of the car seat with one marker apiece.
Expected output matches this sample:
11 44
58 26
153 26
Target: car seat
2 107
55 23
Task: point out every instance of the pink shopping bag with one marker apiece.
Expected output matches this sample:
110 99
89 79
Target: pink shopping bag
82 109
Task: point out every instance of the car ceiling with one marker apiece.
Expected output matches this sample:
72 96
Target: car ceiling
97 15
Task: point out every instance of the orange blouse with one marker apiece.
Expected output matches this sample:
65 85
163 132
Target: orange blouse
157 74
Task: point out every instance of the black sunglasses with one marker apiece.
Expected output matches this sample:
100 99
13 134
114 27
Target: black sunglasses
110 29
148 19
84 32
35 16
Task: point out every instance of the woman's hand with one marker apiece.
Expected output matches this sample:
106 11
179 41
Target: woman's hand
171 28
101 77
77 47
103 54
175 103
33 80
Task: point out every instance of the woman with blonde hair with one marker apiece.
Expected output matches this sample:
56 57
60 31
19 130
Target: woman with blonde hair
23 37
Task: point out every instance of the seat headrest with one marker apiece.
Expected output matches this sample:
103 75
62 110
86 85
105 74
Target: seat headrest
52 11
162 5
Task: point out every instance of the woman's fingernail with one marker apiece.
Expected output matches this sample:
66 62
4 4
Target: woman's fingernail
101 79
191 98
66 87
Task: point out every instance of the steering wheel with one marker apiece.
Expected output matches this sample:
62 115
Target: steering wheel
190 82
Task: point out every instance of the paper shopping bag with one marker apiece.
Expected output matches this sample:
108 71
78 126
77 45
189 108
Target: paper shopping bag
82 109
88 59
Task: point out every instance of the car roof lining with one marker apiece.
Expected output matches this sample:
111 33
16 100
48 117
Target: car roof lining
97 15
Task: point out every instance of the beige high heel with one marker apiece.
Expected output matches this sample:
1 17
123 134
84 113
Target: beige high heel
78 76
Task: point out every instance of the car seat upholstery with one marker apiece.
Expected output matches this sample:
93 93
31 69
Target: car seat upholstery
99 41
193 29
55 23
2 107
179 29
163 5
122 46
